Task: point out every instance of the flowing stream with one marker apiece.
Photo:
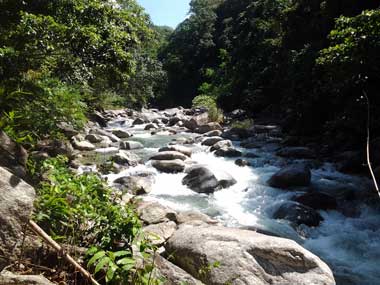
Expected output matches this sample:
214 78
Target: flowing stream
349 243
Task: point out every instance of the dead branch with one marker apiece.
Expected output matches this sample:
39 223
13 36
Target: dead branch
368 144
59 249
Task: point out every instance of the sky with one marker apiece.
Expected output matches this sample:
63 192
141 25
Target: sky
166 12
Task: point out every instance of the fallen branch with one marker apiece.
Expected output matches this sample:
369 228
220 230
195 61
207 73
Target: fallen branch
368 144
59 249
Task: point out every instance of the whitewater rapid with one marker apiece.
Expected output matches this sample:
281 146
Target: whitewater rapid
350 245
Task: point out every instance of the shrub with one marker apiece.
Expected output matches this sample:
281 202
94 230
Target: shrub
82 210
209 102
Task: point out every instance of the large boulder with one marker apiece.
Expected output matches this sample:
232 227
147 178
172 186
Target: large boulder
137 185
155 213
172 274
228 152
214 133
179 148
12 155
16 205
196 121
159 233
126 158
169 166
194 217
129 145
298 214
211 141
317 201
291 176
208 128
201 180
168 155
235 256
296 152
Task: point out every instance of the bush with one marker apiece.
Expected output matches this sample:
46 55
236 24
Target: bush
209 102
38 105
82 210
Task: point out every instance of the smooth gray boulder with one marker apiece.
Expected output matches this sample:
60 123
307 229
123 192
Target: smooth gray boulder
155 213
196 121
137 185
129 145
211 141
291 176
16 205
168 155
174 275
179 148
169 166
298 214
126 158
158 234
194 217
244 257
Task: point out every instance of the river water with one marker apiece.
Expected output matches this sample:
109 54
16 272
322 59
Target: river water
349 243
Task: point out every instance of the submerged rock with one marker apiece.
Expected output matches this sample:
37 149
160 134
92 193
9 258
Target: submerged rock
168 155
169 166
298 214
291 176
317 201
245 257
242 162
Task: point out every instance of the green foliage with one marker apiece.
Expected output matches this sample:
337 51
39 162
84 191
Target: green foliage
37 106
245 124
82 210
82 204
208 102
